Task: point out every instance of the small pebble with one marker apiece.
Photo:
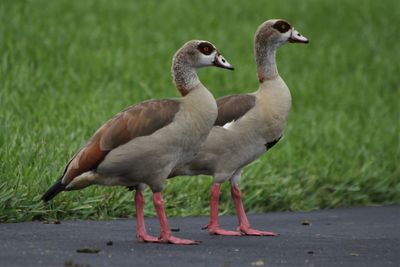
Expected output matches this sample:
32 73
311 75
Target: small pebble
258 263
88 250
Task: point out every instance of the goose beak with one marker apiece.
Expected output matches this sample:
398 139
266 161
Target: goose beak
296 37
221 62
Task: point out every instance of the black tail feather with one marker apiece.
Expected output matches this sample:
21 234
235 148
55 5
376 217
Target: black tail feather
53 191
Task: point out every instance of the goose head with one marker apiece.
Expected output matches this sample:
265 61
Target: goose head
269 36
197 54
277 32
191 56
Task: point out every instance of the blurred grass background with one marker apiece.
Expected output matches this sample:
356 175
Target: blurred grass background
68 66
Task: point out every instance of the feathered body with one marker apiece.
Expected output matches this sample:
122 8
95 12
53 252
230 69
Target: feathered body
144 143
247 125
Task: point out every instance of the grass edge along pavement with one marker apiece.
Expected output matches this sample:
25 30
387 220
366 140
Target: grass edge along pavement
68 67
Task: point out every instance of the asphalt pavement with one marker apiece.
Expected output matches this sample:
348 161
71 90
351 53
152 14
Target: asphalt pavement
368 236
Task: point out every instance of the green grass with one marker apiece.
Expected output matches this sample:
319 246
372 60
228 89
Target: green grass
68 66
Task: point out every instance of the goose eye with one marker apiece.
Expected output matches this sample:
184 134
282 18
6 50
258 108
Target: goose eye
205 48
281 26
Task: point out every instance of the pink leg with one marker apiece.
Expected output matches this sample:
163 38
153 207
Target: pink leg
165 235
213 225
244 225
141 233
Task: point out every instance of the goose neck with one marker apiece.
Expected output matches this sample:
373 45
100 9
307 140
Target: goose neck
266 62
184 76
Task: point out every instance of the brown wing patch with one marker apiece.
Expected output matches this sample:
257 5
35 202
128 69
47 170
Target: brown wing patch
138 120
231 108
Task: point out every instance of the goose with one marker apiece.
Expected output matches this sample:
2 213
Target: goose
247 126
143 143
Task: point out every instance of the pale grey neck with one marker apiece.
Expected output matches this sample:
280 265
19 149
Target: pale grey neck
266 62
184 76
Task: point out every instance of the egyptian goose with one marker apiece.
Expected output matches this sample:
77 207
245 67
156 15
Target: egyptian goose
143 143
247 126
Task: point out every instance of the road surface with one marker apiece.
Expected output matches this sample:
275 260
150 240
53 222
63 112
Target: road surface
367 236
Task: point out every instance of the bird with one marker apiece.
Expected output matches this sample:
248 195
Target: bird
142 144
247 126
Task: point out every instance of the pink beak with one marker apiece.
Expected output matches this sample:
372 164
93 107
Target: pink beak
296 37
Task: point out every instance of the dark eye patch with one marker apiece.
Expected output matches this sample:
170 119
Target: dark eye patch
206 48
282 26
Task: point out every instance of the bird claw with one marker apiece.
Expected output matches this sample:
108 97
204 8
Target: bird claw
177 241
220 231
144 237
251 231
166 240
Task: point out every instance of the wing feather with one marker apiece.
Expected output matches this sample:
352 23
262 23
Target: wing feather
233 107
138 120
